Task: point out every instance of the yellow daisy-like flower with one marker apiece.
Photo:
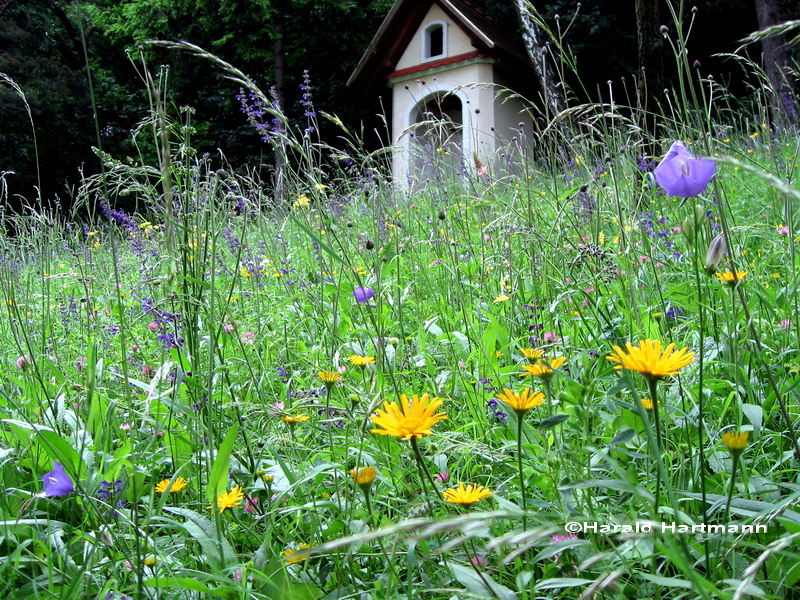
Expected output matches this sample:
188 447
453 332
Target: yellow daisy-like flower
361 361
329 377
647 359
149 561
301 202
364 477
647 404
230 499
501 298
295 555
177 485
544 368
532 354
294 419
735 442
730 278
522 401
414 420
466 494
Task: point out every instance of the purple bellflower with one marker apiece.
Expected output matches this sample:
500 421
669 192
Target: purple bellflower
57 482
363 294
682 174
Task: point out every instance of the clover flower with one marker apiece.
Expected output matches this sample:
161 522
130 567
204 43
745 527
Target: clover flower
23 361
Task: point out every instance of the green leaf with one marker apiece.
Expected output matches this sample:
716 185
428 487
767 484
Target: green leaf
561 582
622 437
667 581
752 508
550 422
60 450
217 552
754 414
559 547
218 480
478 585
186 583
316 238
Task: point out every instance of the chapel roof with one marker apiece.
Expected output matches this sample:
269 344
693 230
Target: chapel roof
403 21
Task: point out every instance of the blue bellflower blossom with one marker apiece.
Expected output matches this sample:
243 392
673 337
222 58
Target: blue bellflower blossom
682 174
363 294
57 482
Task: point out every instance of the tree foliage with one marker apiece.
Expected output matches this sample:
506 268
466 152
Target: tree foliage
41 47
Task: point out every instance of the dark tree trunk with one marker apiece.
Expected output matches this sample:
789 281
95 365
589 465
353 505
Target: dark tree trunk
552 91
280 94
280 53
651 82
783 106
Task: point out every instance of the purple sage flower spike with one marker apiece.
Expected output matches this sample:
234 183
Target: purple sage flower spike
682 174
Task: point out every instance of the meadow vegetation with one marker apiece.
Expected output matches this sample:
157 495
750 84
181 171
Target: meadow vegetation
373 390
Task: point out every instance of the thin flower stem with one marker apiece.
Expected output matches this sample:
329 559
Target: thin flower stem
472 556
549 393
733 483
653 384
756 338
368 521
369 506
424 470
328 393
700 394
521 475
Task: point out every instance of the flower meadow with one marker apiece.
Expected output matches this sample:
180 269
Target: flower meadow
570 375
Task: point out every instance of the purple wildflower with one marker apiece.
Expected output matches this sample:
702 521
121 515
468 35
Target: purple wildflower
57 482
682 174
561 538
363 294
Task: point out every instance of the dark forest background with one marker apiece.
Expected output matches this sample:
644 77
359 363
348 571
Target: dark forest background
42 45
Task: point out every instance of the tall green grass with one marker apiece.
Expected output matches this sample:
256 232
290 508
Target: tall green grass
185 339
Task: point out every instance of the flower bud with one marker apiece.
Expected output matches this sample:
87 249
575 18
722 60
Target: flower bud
716 250
699 212
687 229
